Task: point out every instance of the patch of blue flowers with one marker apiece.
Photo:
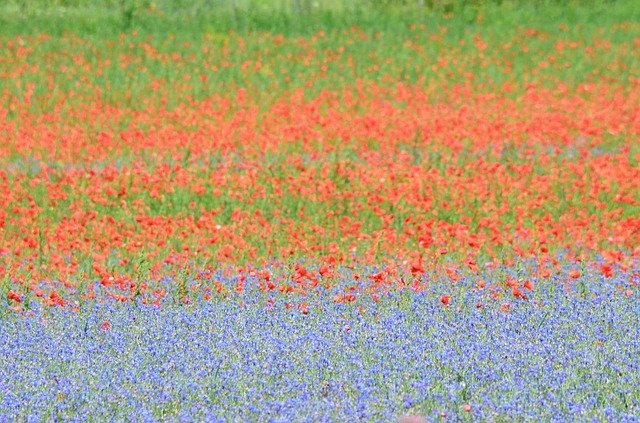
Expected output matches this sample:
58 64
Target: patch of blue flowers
575 356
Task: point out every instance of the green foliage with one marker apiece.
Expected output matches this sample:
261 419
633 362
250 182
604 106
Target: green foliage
284 16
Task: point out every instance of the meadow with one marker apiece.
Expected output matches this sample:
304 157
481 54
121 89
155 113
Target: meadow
319 211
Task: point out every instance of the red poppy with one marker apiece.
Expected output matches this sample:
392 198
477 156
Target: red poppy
517 293
416 268
606 270
56 299
13 296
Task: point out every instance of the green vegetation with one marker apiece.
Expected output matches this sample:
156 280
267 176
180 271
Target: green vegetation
289 16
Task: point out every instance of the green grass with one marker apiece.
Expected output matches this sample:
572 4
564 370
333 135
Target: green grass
164 17
95 35
285 16
95 32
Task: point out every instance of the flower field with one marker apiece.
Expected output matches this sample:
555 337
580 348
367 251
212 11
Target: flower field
413 211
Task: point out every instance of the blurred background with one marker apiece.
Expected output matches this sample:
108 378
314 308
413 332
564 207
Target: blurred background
20 16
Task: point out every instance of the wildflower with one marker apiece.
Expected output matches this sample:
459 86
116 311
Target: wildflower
518 294
55 299
13 296
417 268
445 299
606 270
325 272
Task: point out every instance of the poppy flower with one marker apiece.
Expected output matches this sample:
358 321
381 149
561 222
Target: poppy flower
606 270
13 296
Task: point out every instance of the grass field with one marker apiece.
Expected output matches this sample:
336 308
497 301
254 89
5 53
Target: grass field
319 211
